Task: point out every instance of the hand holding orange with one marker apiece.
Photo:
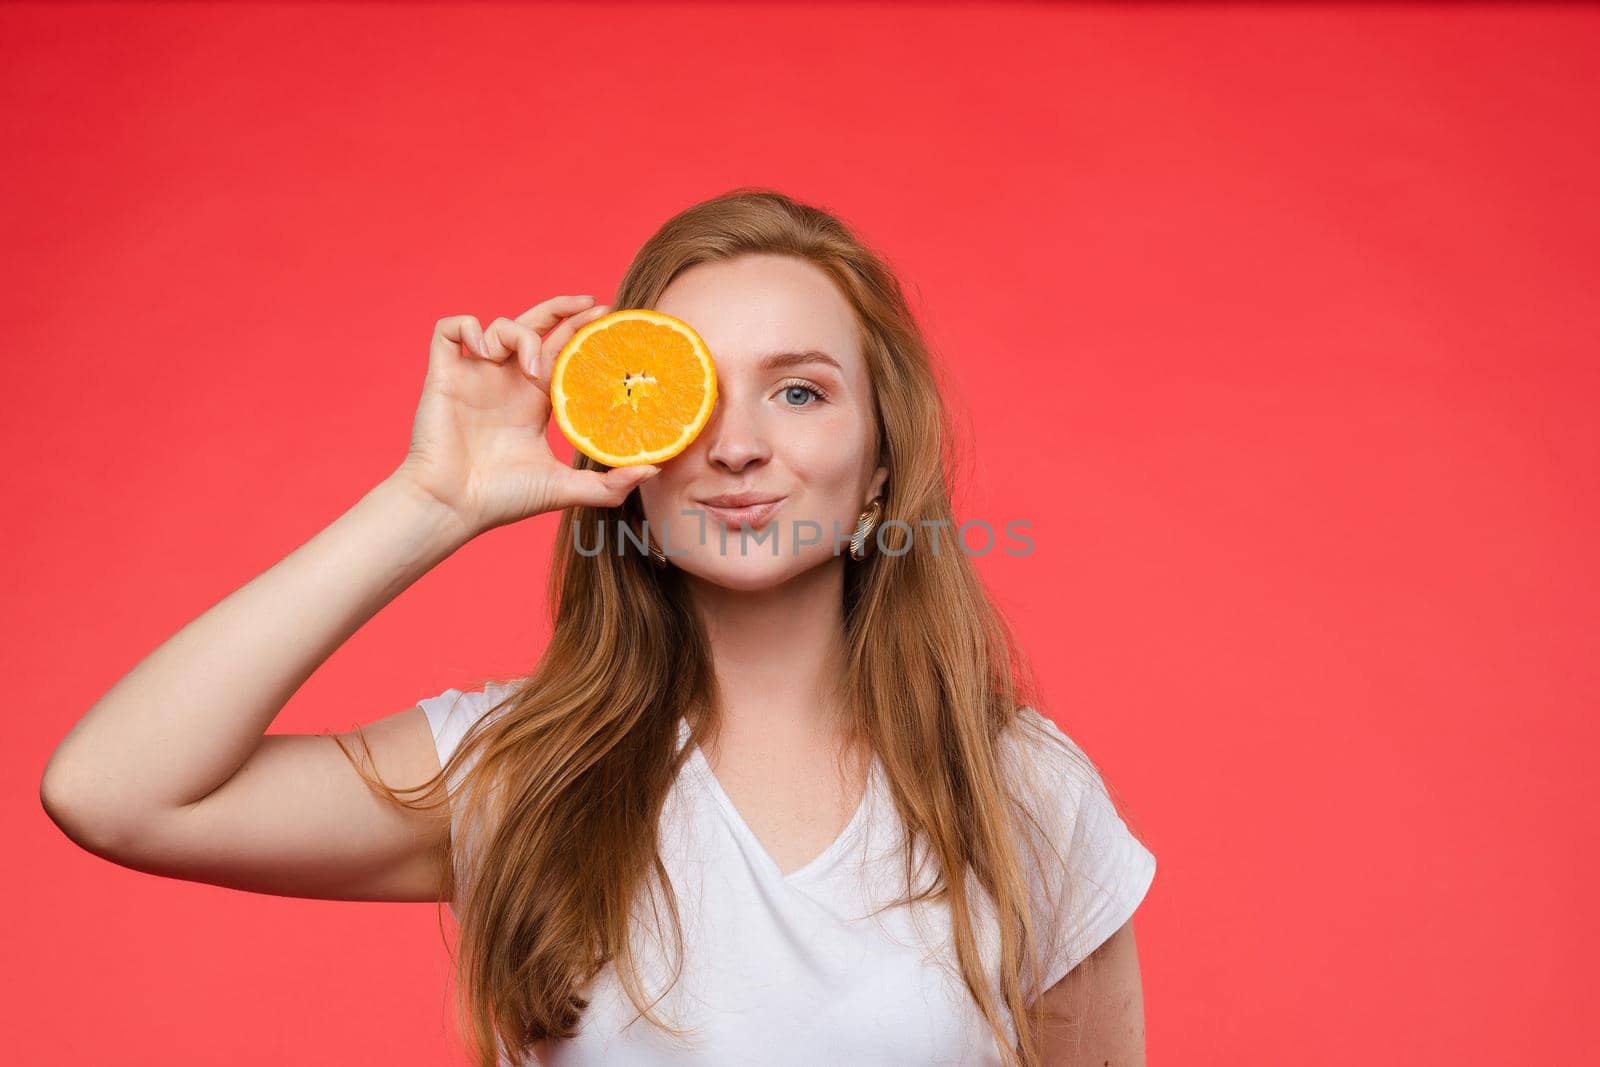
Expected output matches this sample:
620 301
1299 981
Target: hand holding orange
478 442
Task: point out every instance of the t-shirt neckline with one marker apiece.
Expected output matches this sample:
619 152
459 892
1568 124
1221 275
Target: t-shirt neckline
815 866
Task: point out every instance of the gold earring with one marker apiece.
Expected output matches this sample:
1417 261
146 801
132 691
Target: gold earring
869 519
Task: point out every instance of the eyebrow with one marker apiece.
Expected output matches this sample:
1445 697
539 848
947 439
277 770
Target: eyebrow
780 360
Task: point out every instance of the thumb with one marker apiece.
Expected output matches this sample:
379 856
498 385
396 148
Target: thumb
605 489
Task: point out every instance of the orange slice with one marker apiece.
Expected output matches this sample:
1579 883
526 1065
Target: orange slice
634 386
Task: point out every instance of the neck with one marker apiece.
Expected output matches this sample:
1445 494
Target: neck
779 658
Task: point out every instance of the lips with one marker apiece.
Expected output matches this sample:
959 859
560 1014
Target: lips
738 500
753 514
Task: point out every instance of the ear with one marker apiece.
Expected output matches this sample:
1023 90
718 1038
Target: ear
879 476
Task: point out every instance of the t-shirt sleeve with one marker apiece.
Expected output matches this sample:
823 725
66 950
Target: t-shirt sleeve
450 715
1108 871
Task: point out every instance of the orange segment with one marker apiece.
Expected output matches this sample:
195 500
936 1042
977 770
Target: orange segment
634 386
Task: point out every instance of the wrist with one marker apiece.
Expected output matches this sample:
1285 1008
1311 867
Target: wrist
441 521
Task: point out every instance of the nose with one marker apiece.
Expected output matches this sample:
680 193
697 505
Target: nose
736 436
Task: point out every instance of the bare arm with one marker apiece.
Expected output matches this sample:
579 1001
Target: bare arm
1102 1000
171 771
189 715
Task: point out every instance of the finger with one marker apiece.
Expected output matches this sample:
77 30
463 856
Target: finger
505 338
557 338
462 330
604 489
541 317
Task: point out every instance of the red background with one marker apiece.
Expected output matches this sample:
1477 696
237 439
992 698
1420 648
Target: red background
1278 323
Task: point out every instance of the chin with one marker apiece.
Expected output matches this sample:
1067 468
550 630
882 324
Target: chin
746 574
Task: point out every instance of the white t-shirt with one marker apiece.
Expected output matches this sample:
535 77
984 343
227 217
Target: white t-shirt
790 969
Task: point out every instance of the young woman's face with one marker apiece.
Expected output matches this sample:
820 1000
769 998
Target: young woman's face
802 432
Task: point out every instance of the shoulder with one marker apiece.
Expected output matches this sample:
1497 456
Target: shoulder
1088 867
453 712
452 715
1054 778
1038 756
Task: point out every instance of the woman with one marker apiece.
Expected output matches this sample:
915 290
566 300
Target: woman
777 790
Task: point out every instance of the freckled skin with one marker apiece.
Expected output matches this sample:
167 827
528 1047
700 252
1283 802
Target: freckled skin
767 433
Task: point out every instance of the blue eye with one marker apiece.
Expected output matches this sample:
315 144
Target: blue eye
804 387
